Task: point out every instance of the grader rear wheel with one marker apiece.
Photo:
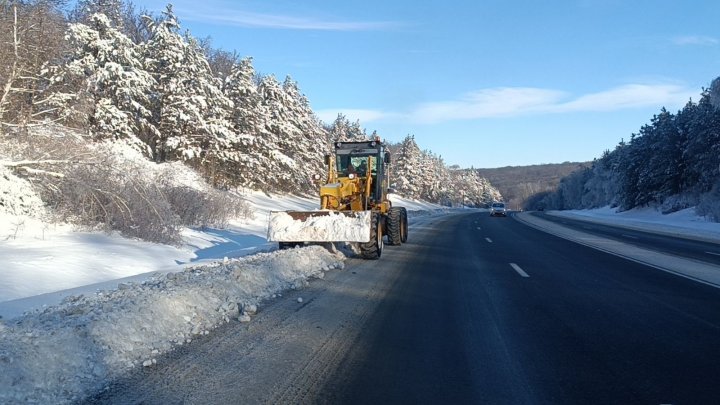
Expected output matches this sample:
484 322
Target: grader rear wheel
395 226
404 225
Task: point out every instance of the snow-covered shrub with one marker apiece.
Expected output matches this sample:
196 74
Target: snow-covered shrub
17 196
194 201
204 208
709 205
119 197
112 185
677 203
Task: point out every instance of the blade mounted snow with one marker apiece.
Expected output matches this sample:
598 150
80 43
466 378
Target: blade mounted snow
319 226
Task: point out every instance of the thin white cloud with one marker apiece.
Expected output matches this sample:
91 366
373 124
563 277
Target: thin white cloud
273 21
629 96
494 102
695 40
520 101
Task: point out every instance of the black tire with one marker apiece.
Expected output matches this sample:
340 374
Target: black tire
404 226
373 250
394 226
288 245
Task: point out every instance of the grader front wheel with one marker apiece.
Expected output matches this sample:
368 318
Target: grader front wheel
373 250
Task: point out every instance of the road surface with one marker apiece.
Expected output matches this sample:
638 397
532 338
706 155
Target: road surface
473 309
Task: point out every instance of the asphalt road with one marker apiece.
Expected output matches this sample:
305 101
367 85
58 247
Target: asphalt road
472 310
566 324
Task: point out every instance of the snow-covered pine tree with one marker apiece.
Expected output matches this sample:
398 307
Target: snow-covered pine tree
703 149
406 169
246 167
470 189
101 84
312 135
343 130
189 107
430 178
280 143
601 188
112 9
713 93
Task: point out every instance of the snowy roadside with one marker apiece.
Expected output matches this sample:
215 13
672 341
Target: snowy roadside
73 341
684 223
45 263
62 352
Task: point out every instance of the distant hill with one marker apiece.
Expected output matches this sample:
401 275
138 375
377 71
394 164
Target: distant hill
517 183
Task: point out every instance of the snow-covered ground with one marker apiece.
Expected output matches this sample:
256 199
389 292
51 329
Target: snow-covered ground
80 308
44 263
96 305
684 223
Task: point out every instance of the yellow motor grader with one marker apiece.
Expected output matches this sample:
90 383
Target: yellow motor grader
354 205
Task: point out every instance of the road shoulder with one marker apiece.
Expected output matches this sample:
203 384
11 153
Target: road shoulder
695 270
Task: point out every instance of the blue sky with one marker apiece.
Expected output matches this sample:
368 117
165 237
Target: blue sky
481 83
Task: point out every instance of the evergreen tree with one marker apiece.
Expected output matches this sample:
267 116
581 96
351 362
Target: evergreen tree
344 131
280 143
407 168
113 9
471 189
312 136
713 93
702 152
101 84
189 107
246 167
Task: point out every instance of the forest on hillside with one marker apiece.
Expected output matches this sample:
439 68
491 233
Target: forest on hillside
73 80
672 163
518 183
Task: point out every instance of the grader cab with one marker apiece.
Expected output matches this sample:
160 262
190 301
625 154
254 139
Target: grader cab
354 204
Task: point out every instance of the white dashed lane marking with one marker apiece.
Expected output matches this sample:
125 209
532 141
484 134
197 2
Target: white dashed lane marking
519 270
489 240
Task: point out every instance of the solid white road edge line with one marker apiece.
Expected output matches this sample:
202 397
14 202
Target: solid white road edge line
713 253
519 270
691 269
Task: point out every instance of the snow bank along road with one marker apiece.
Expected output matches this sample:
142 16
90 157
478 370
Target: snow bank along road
473 310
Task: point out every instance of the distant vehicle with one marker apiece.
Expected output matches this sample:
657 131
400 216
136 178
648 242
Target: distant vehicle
498 209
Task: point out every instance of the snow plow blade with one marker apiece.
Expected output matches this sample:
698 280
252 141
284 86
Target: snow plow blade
319 226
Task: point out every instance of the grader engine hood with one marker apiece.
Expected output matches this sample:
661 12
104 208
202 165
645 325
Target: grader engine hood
319 226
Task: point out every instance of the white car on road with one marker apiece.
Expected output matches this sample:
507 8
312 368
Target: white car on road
498 209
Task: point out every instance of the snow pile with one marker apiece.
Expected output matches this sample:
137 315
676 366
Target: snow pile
17 196
683 223
69 350
320 226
